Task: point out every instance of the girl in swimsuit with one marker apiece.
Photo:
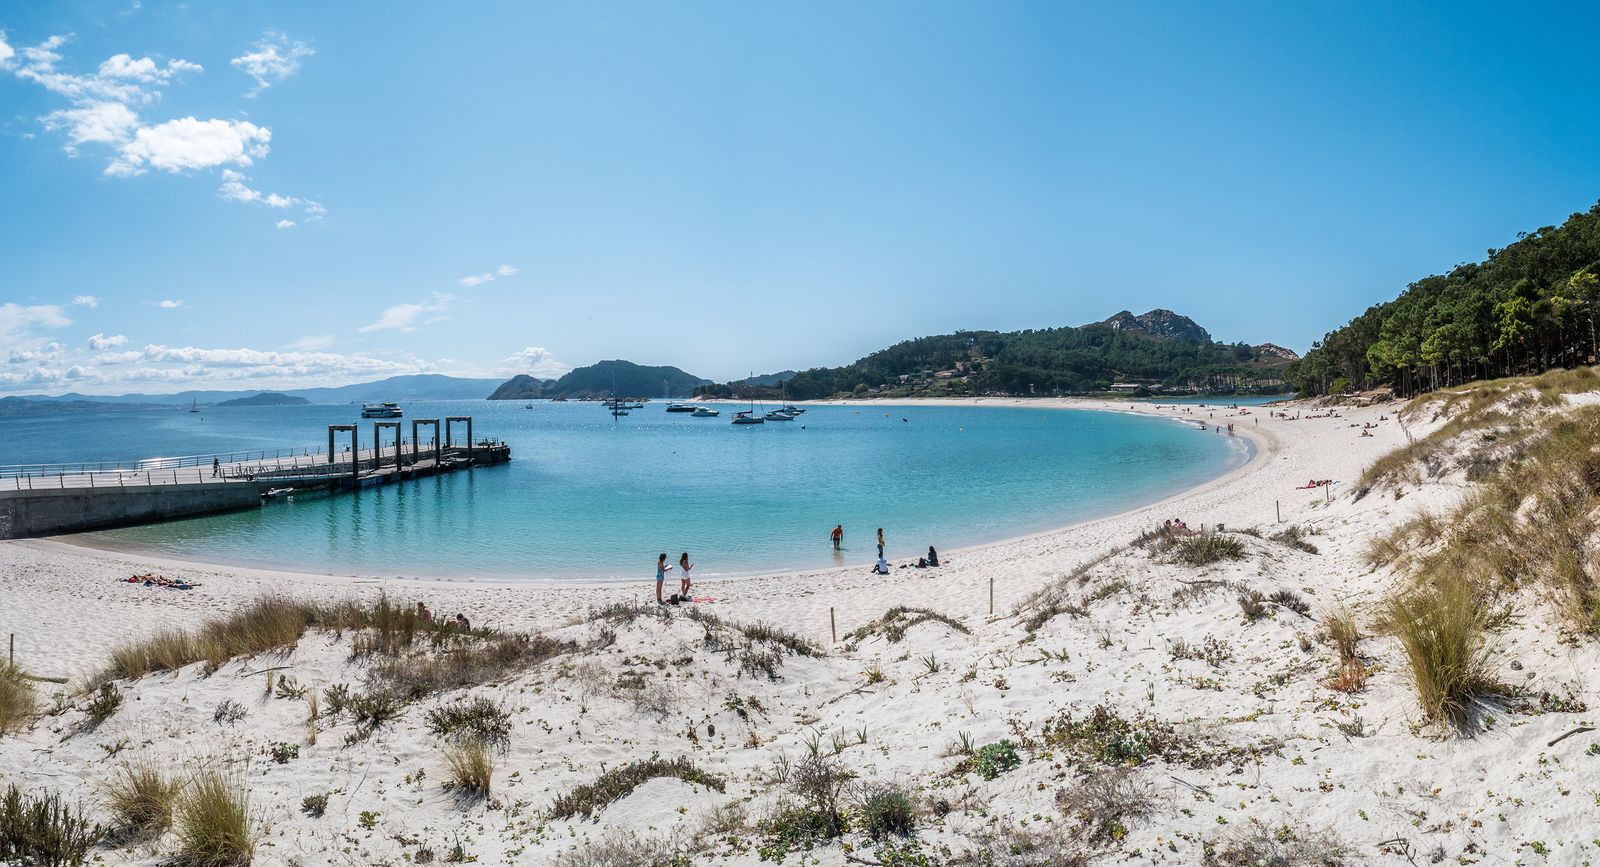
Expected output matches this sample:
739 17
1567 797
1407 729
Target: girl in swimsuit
662 568
684 566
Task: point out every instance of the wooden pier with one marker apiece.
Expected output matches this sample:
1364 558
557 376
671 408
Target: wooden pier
50 499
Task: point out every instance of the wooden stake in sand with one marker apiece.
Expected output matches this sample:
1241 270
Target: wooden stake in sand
991 595
833 627
1277 507
11 657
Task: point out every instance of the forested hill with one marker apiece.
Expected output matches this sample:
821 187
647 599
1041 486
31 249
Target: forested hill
1160 350
1524 309
620 378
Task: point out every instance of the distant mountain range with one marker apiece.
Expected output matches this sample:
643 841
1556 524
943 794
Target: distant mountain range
1154 352
622 378
422 386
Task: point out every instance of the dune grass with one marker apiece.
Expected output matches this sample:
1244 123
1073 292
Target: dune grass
215 827
471 764
1441 626
1208 548
140 797
18 700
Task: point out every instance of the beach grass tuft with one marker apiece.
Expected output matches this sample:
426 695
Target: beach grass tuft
214 825
471 763
19 702
1441 627
885 810
479 718
141 797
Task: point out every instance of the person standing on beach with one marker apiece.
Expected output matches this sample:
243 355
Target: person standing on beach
838 536
216 467
880 543
662 568
683 583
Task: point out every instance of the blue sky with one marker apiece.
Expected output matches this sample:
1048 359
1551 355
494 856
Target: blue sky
271 195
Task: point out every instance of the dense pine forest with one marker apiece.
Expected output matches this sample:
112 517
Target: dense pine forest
1160 350
1524 309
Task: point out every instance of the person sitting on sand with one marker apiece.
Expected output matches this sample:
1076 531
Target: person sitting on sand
662 568
462 623
424 614
933 556
881 567
683 583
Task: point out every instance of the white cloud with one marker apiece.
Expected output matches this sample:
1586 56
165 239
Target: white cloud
6 51
403 317
97 122
274 59
144 69
20 326
100 341
50 352
488 276
284 224
535 360
170 304
86 301
187 143
312 343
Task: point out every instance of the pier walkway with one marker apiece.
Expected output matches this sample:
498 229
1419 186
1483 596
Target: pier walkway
48 499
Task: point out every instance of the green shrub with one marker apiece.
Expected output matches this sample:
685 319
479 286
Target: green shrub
477 718
214 824
106 701
314 805
1253 604
997 758
884 810
615 784
41 829
1208 548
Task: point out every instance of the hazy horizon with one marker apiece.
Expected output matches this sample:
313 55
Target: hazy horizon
272 198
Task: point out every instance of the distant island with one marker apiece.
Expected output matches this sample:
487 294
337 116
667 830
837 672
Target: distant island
266 398
1159 352
623 378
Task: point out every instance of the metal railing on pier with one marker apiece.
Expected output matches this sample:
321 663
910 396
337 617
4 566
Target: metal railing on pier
223 467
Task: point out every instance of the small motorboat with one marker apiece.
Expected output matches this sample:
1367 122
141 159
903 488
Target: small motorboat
744 417
779 415
791 409
681 407
275 493
705 412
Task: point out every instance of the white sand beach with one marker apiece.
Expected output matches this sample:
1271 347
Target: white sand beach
1264 743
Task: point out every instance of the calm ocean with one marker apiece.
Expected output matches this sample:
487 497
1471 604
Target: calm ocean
588 498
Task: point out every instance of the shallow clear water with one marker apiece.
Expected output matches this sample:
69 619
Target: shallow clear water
586 498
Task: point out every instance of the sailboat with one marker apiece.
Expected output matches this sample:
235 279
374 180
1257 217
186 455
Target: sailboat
194 406
619 407
748 416
785 412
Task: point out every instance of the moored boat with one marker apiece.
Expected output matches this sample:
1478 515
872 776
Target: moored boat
387 409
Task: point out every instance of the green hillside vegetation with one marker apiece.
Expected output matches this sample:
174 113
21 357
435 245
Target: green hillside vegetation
1160 350
599 379
1524 309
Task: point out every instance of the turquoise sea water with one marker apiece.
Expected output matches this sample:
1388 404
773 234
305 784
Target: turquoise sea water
584 497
